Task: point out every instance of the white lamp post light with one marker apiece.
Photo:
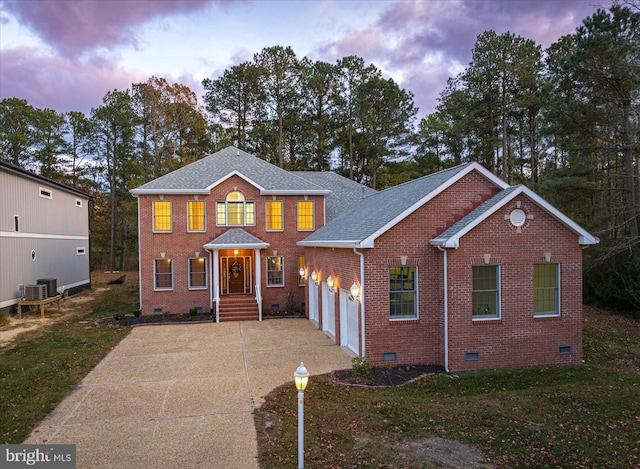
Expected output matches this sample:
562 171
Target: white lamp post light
301 376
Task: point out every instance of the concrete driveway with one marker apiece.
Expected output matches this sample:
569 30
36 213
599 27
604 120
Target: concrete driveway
182 396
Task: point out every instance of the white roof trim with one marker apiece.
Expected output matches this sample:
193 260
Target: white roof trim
348 244
294 192
368 241
217 247
585 238
235 172
137 192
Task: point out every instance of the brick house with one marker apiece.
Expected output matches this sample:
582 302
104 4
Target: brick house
220 234
456 268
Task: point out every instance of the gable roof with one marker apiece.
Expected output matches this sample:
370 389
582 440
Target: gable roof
344 192
361 224
201 176
19 171
450 238
234 238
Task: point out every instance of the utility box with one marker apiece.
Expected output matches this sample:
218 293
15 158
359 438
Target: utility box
52 285
35 292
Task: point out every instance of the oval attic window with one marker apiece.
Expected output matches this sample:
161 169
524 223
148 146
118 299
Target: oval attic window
517 217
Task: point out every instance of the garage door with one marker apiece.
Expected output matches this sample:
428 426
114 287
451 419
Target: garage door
349 332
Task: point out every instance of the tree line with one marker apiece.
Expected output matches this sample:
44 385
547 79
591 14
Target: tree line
564 121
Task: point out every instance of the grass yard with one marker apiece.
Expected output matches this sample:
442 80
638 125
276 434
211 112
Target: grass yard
44 365
578 416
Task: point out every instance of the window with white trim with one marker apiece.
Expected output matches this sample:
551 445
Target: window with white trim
196 213
403 301
16 223
274 215
78 203
197 273
45 193
275 271
546 289
81 251
306 215
235 211
163 274
486 291
161 216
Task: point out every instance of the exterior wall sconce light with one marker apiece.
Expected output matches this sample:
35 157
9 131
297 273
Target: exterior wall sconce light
302 273
355 291
235 252
331 284
314 277
301 377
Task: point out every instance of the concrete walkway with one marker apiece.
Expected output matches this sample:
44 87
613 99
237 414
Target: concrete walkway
182 396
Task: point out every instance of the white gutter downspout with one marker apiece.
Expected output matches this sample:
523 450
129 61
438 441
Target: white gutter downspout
216 283
363 340
446 310
139 256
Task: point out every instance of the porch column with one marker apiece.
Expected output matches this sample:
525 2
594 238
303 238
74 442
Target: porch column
216 283
258 281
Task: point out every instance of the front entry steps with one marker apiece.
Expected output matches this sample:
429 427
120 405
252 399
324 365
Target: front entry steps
238 308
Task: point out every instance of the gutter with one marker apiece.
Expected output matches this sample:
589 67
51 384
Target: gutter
363 337
446 308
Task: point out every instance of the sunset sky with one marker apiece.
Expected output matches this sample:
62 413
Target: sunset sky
66 54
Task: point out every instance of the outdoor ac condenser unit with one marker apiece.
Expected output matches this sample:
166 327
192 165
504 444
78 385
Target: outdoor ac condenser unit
52 285
35 292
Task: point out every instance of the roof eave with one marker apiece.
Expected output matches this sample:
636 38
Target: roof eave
217 247
137 192
332 244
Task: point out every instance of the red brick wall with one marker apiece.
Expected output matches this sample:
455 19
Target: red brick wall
180 244
517 338
416 341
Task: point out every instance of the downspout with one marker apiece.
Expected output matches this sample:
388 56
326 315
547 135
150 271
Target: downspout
216 284
363 337
139 257
258 281
446 309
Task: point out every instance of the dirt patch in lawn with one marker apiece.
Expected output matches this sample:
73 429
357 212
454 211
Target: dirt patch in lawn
71 307
445 453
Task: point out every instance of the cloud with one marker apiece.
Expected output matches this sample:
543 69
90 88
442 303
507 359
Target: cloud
75 27
59 83
421 44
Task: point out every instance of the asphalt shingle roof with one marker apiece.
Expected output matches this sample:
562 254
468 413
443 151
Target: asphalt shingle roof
237 237
344 192
199 176
380 209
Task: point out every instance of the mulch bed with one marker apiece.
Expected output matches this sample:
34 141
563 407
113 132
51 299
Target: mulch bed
385 376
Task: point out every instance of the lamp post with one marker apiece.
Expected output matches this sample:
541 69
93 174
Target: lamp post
301 376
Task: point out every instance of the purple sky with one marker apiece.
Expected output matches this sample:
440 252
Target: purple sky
66 54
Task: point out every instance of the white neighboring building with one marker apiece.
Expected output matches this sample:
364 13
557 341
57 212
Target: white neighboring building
44 234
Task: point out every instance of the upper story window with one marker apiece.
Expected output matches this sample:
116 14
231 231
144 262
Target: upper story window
403 302
274 215
236 211
305 215
161 215
196 211
546 289
486 291
45 193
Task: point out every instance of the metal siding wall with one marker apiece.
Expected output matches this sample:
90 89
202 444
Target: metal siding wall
55 258
58 216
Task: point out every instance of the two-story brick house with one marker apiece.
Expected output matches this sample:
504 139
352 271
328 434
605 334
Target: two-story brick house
220 234
456 268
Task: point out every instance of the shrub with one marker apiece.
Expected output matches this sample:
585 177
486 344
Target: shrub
119 316
360 367
290 307
137 313
193 311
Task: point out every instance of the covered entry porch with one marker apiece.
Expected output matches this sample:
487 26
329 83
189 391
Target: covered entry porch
236 275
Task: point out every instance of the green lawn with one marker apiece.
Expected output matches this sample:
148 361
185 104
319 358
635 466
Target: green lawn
45 365
578 416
